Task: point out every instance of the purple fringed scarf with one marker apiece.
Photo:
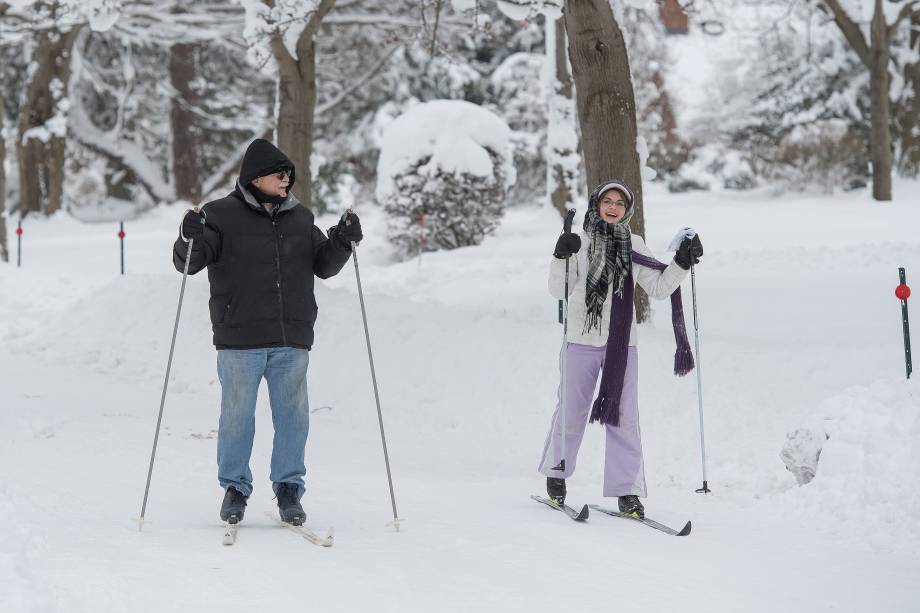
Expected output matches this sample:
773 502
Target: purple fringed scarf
606 408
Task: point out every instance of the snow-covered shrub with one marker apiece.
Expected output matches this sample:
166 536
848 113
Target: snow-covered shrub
444 172
714 166
827 153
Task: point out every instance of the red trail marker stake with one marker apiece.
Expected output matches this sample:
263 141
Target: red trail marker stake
902 292
121 239
19 243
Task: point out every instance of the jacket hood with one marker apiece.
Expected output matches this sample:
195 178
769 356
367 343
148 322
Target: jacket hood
262 158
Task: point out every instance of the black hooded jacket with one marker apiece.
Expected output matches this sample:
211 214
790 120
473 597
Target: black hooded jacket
261 265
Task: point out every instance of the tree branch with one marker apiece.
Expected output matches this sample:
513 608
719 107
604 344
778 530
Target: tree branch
357 83
906 11
306 37
850 31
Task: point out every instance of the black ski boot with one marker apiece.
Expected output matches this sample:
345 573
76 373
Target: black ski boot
289 504
233 507
555 489
631 506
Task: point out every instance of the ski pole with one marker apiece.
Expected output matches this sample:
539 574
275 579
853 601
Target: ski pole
566 227
370 357
172 346
699 380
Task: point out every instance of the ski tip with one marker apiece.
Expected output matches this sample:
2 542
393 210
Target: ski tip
583 514
685 531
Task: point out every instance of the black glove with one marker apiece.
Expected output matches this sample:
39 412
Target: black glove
347 231
568 244
192 225
689 252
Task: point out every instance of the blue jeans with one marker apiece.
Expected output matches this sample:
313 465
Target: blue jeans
240 372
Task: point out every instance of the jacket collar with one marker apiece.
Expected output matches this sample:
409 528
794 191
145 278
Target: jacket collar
249 199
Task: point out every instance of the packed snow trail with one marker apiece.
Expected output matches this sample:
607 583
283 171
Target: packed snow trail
466 353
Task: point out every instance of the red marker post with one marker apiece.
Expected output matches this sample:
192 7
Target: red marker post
19 243
902 292
121 240
421 237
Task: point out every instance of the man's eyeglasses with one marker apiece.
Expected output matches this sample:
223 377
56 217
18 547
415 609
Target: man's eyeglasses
282 174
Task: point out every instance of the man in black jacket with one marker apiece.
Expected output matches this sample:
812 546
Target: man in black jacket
261 249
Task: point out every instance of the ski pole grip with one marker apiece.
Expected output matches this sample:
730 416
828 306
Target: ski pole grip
567 224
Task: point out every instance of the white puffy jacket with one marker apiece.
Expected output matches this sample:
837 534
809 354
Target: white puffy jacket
658 285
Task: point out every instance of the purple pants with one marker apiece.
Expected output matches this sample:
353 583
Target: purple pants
624 472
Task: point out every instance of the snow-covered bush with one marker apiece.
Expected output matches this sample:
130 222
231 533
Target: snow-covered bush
714 167
444 172
828 153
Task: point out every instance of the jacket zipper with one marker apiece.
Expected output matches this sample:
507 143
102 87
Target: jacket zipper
278 282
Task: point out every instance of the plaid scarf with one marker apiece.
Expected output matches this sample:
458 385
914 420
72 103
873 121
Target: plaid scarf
608 253
610 256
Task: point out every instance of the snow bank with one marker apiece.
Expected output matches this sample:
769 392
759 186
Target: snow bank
454 134
18 589
869 467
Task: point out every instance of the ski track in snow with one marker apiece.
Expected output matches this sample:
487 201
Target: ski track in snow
796 304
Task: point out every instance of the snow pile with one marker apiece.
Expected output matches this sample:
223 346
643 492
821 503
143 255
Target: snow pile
869 465
802 451
18 589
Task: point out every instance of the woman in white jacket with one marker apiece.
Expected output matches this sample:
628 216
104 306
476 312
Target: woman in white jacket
602 338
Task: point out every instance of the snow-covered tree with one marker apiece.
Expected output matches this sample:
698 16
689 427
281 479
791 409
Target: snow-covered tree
606 104
444 172
53 26
869 27
284 31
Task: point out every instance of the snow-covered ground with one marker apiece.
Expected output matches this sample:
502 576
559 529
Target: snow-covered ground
799 322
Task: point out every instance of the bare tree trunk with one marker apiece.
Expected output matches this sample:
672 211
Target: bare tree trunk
879 87
186 135
297 101
41 151
562 141
606 105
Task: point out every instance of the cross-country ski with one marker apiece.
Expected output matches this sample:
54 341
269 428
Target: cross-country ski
305 533
230 533
644 520
577 515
